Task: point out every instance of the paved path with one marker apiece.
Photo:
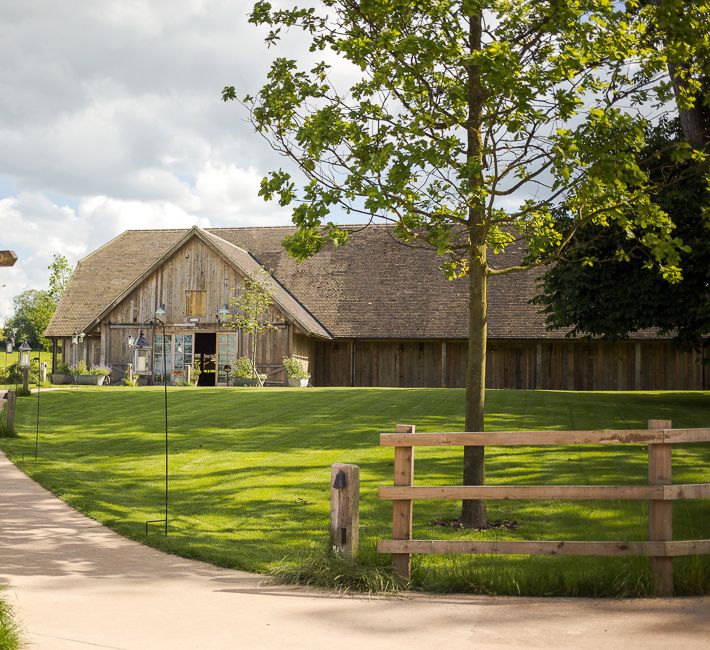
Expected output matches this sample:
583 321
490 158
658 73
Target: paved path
76 585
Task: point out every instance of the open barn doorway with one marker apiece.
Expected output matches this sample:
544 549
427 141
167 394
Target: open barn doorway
206 358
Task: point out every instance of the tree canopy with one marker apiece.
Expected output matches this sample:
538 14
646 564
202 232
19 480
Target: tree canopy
34 308
606 285
470 125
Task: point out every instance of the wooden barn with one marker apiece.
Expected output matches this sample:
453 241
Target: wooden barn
373 313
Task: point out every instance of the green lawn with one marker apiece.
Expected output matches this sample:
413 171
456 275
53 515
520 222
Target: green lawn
250 475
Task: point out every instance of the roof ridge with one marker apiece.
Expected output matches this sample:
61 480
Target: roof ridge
270 276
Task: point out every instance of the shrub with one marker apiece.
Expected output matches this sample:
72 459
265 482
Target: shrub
100 371
63 368
14 374
80 368
242 368
195 375
294 369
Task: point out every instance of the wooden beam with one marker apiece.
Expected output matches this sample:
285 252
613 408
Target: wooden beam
660 512
475 547
533 492
345 508
551 492
8 258
402 509
534 438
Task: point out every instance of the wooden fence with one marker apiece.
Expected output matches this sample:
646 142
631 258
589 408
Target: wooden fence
660 494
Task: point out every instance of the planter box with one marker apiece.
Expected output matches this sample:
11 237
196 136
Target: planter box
89 380
247 381
297 383
59 378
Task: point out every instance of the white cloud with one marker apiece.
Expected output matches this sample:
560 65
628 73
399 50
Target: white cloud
111 118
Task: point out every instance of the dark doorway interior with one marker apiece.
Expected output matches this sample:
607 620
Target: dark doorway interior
206 358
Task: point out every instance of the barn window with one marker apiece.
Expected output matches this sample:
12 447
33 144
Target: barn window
196 303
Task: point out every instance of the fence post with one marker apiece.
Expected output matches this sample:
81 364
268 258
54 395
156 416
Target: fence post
660 513
344 509
10 415
402 508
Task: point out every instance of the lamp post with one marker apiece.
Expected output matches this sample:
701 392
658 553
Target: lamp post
9 342
24 363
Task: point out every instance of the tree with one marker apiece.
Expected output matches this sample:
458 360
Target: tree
33 309
472 124
60 272
606 284
252 305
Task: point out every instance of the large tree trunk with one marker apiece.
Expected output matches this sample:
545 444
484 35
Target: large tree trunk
691 119
473 512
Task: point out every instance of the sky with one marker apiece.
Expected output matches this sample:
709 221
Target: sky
111 118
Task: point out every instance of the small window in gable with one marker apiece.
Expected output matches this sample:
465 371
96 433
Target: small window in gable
196 303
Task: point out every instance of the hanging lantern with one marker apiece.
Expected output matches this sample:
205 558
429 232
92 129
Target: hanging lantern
141 356
24 361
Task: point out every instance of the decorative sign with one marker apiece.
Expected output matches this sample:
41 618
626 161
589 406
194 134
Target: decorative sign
7 258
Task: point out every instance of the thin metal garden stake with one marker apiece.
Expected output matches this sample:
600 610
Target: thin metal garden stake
39 388
153 321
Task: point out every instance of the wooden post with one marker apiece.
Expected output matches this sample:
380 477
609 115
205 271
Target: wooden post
660 513
25 380
10 415
188 374
402 509
344 509
43 373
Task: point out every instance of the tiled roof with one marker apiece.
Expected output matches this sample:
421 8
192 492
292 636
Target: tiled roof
374 287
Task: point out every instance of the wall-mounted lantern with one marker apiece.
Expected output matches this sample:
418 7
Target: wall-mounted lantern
141 356
24 361
78 338
222 313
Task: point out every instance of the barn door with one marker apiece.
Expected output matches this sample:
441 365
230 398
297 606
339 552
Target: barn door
226 356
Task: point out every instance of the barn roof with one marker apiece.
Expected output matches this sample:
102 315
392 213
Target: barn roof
374 287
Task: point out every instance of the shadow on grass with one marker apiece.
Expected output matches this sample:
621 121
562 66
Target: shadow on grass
249 473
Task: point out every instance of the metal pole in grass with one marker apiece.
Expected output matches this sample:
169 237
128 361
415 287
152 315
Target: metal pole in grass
158 319
39 389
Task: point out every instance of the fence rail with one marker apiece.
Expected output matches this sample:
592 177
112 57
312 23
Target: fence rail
660 494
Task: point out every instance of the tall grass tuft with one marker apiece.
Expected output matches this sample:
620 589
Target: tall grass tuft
6 431
9 632
368 573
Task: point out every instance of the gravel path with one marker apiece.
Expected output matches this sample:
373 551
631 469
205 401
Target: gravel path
77 585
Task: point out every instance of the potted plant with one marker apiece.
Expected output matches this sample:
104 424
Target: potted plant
62 374
297 375
243 373
94 377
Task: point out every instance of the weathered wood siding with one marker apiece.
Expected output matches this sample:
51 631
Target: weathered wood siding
195 267
527 364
